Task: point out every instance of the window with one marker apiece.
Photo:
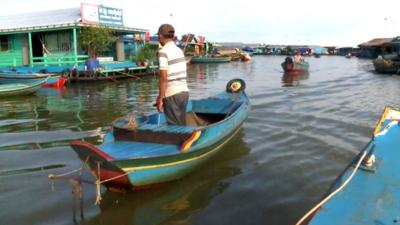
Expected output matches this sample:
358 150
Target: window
4 43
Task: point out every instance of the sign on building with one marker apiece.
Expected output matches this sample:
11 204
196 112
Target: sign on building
99 14
110 16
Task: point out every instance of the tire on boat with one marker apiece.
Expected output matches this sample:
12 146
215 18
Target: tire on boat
235 86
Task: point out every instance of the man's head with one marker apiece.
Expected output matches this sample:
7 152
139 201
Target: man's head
166 32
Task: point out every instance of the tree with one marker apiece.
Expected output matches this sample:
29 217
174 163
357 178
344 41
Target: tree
96 39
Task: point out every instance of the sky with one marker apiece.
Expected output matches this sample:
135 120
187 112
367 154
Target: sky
338 23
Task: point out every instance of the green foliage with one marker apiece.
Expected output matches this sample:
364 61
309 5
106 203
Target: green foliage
146 52
96 39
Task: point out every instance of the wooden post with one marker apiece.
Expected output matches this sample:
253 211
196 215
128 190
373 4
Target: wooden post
30 49
75 47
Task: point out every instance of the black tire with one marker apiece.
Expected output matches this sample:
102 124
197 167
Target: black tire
235 86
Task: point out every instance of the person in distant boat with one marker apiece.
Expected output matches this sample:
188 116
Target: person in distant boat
298 58
173 90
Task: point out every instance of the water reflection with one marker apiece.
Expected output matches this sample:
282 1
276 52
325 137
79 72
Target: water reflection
175 202
294 79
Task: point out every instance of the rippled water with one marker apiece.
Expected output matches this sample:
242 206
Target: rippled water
301 133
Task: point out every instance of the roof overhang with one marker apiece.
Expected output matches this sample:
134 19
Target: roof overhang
119 29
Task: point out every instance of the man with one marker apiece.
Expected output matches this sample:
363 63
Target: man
298 58
173 91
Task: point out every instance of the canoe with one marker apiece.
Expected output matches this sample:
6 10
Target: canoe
207 59
140 152
372 195
7 90
293 67
12 77
387 66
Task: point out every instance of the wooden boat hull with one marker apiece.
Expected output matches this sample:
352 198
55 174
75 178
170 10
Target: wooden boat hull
31 78
55 81
372 196
7 90
204 59
116 156
386 66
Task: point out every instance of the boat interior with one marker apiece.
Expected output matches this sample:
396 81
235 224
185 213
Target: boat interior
154 129
152 136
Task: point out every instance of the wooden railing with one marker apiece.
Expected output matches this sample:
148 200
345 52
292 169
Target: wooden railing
59 60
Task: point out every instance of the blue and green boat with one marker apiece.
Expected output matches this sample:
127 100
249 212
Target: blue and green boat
372 194
15 89
140 152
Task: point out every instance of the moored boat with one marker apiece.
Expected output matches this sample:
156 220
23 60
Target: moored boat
55 80
209 59
145 151
7 90
11 77
367 191
387 66
289 66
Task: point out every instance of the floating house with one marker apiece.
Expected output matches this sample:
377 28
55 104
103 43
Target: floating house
50 40
375 47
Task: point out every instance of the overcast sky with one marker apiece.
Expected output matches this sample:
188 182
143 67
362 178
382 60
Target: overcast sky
319 22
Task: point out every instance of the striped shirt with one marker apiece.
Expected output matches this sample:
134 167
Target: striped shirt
171 58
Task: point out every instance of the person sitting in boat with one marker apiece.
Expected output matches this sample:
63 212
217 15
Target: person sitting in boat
173 90
298 58
215 53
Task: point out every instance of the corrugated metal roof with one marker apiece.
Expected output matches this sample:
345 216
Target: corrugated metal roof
376 42
54 19
37 19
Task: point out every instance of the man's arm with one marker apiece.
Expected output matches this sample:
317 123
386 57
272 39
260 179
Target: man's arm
162 88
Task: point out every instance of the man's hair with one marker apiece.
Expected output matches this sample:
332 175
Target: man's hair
166 30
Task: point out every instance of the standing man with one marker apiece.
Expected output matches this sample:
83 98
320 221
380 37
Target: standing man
173 91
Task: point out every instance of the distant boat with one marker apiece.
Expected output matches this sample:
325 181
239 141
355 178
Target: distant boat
209 59
387 66
372 194
289 66
140 152
7 90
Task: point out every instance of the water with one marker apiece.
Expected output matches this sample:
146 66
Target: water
301 133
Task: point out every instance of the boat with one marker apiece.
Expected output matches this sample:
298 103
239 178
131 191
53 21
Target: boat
143 152
56 81
289 66
7 90
246 57
367 191
387 66
12 77
209 59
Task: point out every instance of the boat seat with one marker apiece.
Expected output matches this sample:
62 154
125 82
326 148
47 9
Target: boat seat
167 128
132 149
152 133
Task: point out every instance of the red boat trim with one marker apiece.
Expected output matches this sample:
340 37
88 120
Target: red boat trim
92 148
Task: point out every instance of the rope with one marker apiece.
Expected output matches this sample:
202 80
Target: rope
52 177
333 193
98 183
